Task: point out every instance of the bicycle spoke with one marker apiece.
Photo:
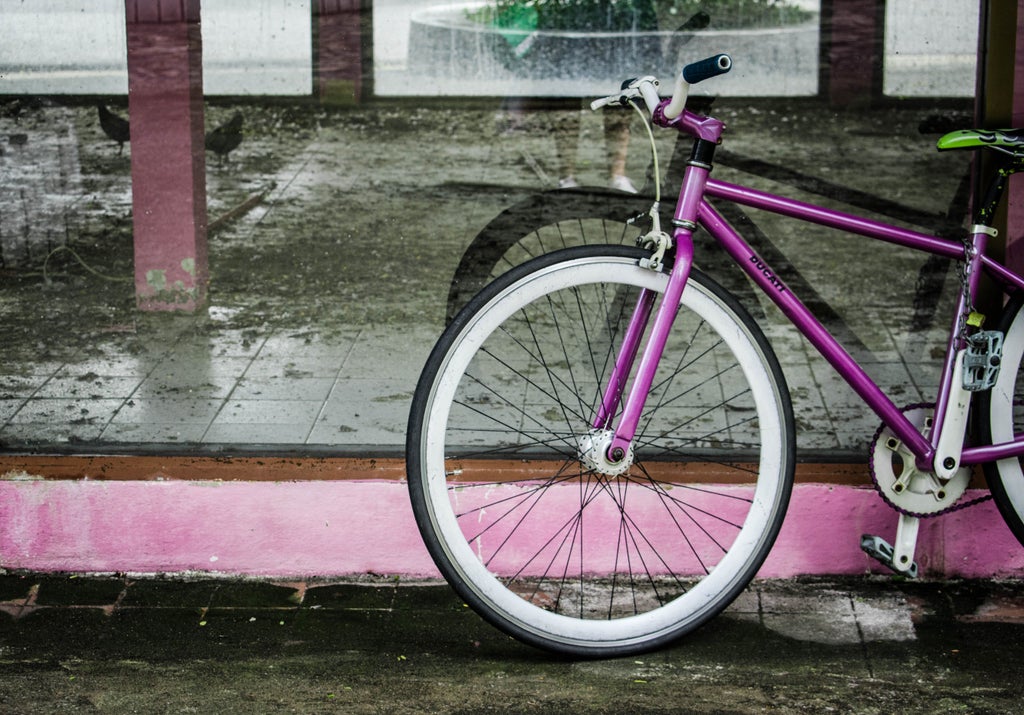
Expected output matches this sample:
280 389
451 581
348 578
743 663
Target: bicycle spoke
533 519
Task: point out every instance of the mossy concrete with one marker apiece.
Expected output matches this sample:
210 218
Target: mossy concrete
384 646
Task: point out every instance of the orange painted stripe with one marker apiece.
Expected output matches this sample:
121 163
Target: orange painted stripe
285 469
202 468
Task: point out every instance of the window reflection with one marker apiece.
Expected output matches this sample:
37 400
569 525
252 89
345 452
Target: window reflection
63 47
577 48
254 47
931 48
339 228
492 48
250 47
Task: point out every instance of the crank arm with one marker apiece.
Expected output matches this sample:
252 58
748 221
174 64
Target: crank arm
954 426
901 557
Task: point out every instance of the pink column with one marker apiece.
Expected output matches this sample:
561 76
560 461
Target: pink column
852 42
165 105
338 44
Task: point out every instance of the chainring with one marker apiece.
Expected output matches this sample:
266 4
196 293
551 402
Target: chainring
901 484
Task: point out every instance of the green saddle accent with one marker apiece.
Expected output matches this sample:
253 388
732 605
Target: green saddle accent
1012 139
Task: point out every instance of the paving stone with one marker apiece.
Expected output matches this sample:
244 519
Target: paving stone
376 645
78 591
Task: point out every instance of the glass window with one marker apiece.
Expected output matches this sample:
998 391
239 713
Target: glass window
39 55
931 48
341 234
575 49
250 47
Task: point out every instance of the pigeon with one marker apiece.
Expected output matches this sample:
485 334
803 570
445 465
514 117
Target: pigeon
114 126
225 138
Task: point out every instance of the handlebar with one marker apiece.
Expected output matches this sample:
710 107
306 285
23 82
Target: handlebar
646 88
706 69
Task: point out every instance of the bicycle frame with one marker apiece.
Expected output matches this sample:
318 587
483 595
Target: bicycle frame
693 209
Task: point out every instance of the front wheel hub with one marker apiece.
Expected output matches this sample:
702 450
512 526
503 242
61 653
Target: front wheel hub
594 453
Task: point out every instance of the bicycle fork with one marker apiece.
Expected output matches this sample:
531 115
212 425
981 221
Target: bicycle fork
620 445
618 442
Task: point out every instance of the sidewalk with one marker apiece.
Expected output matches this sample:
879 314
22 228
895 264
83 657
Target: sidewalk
860 645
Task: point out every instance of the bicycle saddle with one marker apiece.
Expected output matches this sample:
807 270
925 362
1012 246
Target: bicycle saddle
1012 139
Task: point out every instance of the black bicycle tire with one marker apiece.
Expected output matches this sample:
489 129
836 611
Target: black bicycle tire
418 415
994 476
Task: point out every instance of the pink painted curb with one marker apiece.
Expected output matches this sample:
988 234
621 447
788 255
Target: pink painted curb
339 528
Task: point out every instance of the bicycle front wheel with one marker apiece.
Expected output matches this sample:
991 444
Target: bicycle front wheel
1002 419
559 551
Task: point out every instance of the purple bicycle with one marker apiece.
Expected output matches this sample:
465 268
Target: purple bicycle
601 446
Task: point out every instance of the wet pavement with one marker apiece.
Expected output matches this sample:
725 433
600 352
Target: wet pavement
336 235
380 645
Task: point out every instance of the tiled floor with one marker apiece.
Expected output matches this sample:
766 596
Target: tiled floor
343 378
278 390
349 391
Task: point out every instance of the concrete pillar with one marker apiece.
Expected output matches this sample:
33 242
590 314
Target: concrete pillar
165 106
852 35
341 32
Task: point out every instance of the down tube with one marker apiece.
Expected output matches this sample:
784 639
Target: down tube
806 323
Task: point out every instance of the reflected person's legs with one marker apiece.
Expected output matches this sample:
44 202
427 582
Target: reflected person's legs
616 138
567 135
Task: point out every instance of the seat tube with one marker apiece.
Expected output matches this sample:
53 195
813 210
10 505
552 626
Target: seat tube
685 221
947 390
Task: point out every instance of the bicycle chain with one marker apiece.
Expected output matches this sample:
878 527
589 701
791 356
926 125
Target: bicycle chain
901 510
965 288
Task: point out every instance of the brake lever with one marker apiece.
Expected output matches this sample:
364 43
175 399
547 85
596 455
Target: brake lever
645 88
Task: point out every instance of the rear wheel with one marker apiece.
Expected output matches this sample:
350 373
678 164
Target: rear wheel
565 218
1002 419
506 474
544 223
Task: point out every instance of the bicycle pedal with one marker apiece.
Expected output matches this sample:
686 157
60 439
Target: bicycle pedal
881 550
983 356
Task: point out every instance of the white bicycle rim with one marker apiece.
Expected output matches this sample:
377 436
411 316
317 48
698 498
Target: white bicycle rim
730 574
1001 412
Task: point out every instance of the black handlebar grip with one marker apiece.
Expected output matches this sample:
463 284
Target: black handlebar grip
705 69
